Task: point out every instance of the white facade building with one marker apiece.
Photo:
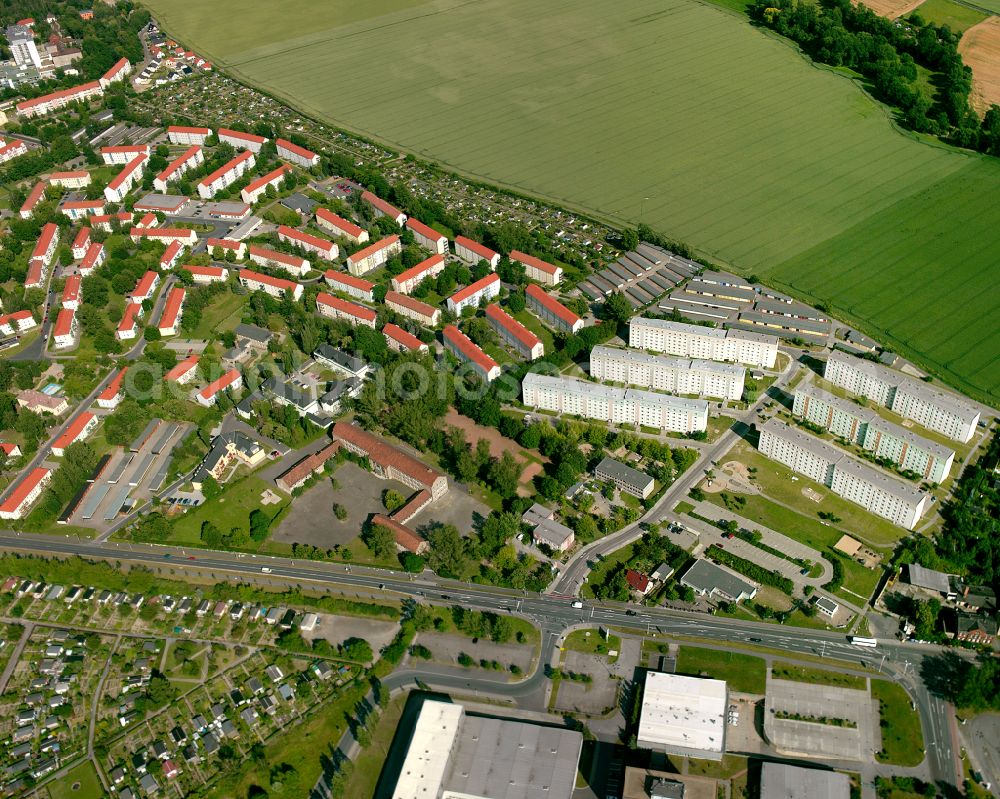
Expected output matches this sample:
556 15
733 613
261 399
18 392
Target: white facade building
676 375
373 256
226 175
474 295
695 341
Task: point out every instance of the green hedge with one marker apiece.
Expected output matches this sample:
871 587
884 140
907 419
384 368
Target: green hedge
751 570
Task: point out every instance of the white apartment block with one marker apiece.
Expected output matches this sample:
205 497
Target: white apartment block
295 154
373 256
514 334
615 405
274 286
293 264
876 492
253 190
338 226
313 244
242 141
474 295
707 343
335 308
24 493
406 282
126 180
226 175
188 160
676 375
179 134
936 410
46 104
427 237
536 269
844 418
472 252
70 180
124 154
356 287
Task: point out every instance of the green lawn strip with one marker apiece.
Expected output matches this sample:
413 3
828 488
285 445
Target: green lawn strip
945 12
782 670
368 765
592 644
801 528
683 507
743 673
231 509
84 776
223 313
603 568
902 739
532 322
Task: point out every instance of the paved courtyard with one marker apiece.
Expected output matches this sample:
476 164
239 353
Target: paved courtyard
337 629
445 648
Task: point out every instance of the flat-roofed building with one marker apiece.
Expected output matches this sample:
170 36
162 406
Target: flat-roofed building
293 264
683 716
24 493
312 244
226 175
356 287
382 208
427 237
463 348
716 582
185 162
615 405
456 756
274 286
514 334
167 204
536 269
676 375
405 282
551 311
253 190
474 295
400 340
695 341
625 478
338 226
335 308
181 134
785 781
241 140
412 309
373 256
472 252
840 416
389 462
296 154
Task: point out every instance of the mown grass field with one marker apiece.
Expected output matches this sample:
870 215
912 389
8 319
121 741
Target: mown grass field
946 12
712 131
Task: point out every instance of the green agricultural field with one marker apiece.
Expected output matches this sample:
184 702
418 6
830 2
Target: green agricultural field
947 12
675 111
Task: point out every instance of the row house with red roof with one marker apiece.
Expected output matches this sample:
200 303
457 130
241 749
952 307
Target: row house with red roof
165 235
81 243
25 492
335 308
472 252
373 256
126 180
35 196
400 340
314 244
238 248
382 208
516 335
72 292
274 286
295 154
406 282
241 140
226 175
389 462
77 179
536 269
182 134
551 311
121 69
463 348
66 331
338 226
81 209
230 381
104 221
124 153
94 257
17 322
185 371
170 319
171 255
255 189
114 392
204 275
128 327
190 159
10 150
356 287
145 288
427 237
412 308
474 295
77 430
293 264
47 103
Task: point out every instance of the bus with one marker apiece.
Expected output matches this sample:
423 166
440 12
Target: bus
857 640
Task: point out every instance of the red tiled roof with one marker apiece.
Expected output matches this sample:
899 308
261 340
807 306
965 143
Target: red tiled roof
404 337
145 284
64 322
358 283
49 231
182 368
299 151
405 537
344 306
227 167
512 326
34 274
179 161
381 244
384 454
82 204
309 464
82 237
419 269
277 282
127 171
377 202
23 489
114 387
531 260
204 271
161 232
121 64
186 129
173 248
552 305
239 134
408 302
424 230
305 238
636 580
129 321
479 285
467 347
338 222
34 196
225 244
80 173
171 308
221 384
8 448
273 176
483 252
59 95
93 253
71 291
274 255
138 149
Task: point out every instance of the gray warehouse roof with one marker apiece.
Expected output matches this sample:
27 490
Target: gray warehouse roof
781 781
611 469
928 578
707 577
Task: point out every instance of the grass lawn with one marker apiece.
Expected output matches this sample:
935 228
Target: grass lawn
781 670
80 782
683 507
603 567
223 313
743 673
902 739
534 324
232 509
946 12
720 770
368 765
592 644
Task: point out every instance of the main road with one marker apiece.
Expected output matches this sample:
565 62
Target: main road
553 614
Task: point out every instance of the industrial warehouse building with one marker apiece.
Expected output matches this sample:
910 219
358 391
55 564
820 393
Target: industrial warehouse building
683 716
